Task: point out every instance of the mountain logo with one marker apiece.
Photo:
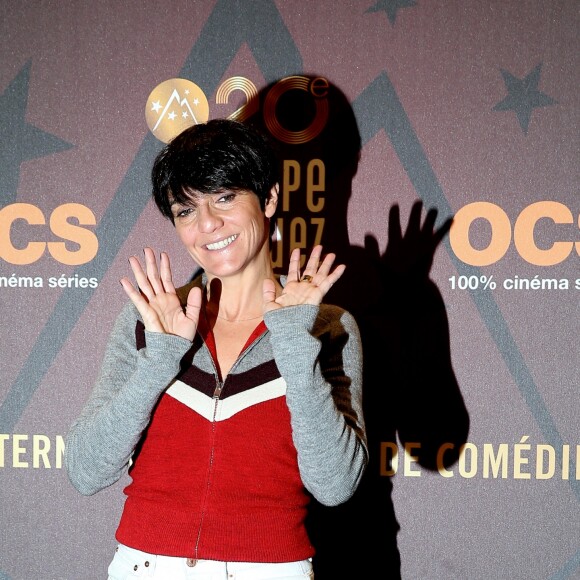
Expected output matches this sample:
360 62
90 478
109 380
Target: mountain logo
173 106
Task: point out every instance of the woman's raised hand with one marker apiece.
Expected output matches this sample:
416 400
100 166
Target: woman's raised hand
156 299
310 288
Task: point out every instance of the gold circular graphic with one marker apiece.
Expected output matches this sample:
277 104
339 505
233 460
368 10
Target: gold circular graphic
275 127
247 87
173 106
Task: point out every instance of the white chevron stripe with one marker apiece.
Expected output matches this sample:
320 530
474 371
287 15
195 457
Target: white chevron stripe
266 392
193 399
227 408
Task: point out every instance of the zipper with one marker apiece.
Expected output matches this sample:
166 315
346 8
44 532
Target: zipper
219 386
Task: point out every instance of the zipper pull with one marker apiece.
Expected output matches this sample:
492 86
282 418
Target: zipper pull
218 389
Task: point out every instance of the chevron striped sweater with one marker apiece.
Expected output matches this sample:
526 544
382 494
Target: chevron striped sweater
224 471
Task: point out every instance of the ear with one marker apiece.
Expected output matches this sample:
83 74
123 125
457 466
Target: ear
272 201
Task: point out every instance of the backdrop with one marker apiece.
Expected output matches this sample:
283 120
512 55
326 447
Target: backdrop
381 110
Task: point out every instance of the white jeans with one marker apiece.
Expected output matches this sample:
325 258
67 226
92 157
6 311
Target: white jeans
129 563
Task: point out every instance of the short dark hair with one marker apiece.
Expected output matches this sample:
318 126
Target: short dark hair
220 155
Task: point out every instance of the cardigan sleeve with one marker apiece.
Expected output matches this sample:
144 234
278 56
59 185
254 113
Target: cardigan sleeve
99 444
319 354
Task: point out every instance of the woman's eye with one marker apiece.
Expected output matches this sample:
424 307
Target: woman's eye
227 198
184 212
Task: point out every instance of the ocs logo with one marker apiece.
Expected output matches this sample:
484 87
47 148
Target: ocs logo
176 104
70 223
524 235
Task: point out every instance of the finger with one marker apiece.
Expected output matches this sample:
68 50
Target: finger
326 284
294 266
443 230
166 274
150 319
140 277
429 223
371 247
414 225
152 270
324 268
313 262
130 290
395 232
336 274
193 306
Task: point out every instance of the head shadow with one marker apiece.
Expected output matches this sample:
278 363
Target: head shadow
411 396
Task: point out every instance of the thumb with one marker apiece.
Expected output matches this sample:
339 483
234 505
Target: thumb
193 306
269 295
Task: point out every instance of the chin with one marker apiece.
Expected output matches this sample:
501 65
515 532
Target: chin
223 270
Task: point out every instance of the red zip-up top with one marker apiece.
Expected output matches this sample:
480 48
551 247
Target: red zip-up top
216 474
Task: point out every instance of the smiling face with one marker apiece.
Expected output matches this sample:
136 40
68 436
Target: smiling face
225 232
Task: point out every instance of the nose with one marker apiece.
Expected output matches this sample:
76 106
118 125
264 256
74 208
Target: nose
208 218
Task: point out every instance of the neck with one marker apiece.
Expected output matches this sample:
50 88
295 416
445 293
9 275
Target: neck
234 319
238 297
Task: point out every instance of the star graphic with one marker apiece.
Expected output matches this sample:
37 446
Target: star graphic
391 7
171 116
523 96
20 140
156 106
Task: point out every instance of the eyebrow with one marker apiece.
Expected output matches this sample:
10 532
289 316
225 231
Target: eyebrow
193 201
189 202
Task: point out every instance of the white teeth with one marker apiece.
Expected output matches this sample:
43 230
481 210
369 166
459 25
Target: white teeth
221 244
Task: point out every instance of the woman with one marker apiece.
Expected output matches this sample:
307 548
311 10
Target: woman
232 400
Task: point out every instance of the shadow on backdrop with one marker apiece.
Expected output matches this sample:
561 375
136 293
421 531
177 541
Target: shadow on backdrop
410 390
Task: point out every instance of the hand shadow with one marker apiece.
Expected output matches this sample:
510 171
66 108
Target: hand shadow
410 390
429 406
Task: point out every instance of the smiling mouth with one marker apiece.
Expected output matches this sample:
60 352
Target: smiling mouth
221 244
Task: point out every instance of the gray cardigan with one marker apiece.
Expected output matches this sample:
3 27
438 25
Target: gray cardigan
318 352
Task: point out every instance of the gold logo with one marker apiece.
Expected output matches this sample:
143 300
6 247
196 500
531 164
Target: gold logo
318 88
173 106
